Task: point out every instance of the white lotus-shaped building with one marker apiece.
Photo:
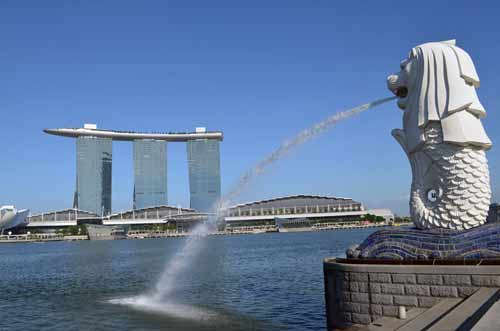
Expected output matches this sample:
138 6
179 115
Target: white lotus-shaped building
10 217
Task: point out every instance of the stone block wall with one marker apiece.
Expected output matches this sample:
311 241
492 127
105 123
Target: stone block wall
360 294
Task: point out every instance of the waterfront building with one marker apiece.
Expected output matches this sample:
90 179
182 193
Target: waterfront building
290 213
182 219
62 218
187 221
102 232
204 173
150 173
150 215
93 174
301 212
94 165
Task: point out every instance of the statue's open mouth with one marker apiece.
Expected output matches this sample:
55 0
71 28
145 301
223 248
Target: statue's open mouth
397 85
402 92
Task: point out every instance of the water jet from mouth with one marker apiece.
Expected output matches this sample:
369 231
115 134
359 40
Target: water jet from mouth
402 92
288 145
193 244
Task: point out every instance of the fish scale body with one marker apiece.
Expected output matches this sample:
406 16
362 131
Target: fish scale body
460 177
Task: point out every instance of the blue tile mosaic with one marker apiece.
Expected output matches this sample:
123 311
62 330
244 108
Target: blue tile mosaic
477 243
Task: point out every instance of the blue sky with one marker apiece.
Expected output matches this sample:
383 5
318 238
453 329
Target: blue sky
260 71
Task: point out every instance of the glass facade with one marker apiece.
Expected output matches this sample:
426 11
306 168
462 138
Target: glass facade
204 173
93 174
150 173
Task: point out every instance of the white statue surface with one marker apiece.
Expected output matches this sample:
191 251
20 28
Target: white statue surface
443 137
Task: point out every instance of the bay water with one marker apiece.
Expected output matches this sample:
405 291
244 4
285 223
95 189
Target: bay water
241 282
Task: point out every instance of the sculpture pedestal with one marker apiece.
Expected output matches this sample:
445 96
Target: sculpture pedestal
482 242
360 291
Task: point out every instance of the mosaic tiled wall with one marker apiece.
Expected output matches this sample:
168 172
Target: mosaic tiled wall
477 243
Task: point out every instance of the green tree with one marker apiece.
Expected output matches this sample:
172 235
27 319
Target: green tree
369 217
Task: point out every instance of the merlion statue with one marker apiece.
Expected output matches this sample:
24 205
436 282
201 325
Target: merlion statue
443 137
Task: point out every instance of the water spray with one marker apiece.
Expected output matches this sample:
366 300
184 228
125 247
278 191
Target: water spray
289 145
182 259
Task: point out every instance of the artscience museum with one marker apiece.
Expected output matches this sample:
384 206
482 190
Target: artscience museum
10 217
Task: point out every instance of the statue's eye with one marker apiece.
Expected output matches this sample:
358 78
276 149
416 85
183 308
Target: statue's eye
432 195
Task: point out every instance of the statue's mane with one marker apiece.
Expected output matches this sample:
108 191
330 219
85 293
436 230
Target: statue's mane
446 82
444 90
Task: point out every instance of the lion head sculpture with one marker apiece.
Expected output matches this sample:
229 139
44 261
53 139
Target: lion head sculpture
443 136
438 82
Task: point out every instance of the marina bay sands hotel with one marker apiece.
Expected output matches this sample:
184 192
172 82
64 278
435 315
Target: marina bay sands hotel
94 167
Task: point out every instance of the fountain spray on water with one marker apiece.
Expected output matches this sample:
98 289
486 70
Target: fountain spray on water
157 299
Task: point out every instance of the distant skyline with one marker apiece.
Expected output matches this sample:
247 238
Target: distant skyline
259 71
